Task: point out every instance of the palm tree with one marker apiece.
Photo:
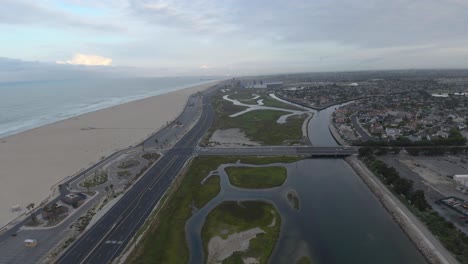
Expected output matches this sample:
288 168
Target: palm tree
111 186
87 185
30 207
107 190
53 212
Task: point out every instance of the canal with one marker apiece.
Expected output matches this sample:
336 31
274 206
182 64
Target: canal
339 220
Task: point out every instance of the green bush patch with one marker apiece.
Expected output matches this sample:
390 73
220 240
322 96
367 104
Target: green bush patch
128 164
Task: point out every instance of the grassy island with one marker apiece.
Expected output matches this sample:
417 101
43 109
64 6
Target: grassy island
257 177
256 123
231 224
293 199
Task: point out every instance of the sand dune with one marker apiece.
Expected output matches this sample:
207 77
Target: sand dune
33 161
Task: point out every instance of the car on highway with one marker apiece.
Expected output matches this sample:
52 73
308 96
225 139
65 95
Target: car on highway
30 242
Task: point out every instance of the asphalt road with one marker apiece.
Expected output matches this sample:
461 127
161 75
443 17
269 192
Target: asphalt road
104 241
357 127
162 138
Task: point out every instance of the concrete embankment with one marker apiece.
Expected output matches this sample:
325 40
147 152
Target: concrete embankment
305 127
335 133
427 243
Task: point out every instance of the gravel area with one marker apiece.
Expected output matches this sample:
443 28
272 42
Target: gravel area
220 249
430 174
231 137
434 172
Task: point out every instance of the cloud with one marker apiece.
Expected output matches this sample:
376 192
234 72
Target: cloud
88 59
296 35
14 70
38 13
363 23
191 16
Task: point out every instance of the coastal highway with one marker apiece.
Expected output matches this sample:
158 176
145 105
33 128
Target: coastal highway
106 239
163 137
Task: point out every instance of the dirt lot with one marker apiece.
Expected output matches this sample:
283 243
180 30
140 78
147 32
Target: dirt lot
231 137
433 175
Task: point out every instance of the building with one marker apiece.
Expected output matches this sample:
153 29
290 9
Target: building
74 199
392 132
274 85
461 179
269 85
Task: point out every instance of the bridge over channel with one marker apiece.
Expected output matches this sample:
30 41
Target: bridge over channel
279 151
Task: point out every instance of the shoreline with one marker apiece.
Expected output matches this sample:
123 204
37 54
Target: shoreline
36 160
124 102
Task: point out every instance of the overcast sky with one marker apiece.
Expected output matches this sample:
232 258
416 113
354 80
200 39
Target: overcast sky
235 36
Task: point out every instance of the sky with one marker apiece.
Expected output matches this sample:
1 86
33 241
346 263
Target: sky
231 37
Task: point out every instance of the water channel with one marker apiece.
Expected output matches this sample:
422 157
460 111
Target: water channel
339 221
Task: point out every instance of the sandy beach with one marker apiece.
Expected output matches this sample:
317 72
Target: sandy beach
33 161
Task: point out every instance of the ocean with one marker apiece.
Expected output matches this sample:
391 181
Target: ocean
27 105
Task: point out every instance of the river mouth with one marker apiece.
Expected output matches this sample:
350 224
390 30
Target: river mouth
338 221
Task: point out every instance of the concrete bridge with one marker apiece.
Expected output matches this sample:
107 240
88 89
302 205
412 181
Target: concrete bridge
279 151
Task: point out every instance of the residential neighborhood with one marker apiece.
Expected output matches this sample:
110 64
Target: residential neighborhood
418 116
